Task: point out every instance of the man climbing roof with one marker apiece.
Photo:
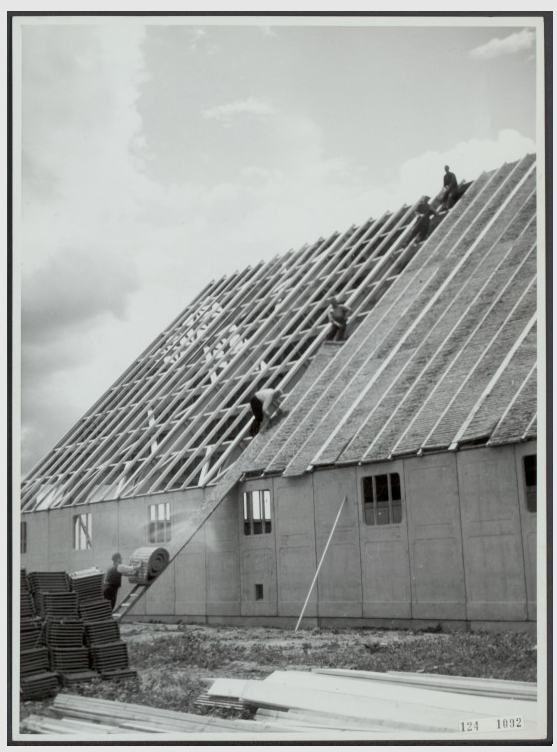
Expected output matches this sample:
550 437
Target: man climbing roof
337 314
450 189
265 403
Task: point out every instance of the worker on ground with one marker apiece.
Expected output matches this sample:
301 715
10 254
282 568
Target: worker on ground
337 314
264 404
423 214
450 189
113 578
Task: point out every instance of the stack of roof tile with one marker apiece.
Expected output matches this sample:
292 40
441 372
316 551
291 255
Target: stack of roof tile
30 632
95 610
38 686
108 654
36 680
87 583
101 632
27 608
110 659
49 582
56 605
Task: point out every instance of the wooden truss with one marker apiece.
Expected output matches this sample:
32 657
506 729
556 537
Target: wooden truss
179 416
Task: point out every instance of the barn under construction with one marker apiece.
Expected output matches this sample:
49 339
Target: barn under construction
408 452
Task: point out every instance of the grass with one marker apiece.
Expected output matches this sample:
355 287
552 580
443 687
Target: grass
171 662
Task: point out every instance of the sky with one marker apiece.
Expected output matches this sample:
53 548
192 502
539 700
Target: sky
154 156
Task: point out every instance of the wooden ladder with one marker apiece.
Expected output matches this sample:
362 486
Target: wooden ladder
130 600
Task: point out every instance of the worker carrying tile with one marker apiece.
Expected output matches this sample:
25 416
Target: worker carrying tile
337 314
113 578
423 214
450 189
265 405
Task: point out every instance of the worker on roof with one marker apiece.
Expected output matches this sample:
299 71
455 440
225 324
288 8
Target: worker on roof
113 578
265 404
337 314
450 189
423 214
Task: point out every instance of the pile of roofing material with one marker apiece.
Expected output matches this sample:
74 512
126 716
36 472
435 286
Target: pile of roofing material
87 583
49 582
67 639
36 680
30 633
151 562
95 610
102 631
108 654
56 605
26 606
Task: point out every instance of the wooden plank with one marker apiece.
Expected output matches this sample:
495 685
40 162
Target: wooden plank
393 715
227 687
415 699
440 682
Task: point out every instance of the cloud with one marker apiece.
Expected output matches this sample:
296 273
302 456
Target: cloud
511 45
226 112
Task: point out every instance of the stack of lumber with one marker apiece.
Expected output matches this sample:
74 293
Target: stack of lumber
49 582
380 703
82 715
323 703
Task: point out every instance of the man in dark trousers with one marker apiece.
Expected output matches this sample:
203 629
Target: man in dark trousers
450 189
423 213
338 318
264 404
113 578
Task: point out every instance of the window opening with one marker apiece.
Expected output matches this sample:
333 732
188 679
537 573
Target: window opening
159 523
23 538
382 499
259 592
531 481
257 512
82 531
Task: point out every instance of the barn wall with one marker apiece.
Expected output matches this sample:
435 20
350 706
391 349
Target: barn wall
463 550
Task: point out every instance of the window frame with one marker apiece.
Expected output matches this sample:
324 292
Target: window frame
374 505
530 490
159 523
257 517
82 531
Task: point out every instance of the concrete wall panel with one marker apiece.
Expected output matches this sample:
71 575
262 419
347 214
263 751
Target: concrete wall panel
493 551
436 559
259 568
528 521
384 556
385 595
339 585
222 558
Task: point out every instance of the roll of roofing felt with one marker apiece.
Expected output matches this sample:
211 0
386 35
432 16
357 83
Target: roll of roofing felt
151 561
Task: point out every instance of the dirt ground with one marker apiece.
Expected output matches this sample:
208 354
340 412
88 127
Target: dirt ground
175 662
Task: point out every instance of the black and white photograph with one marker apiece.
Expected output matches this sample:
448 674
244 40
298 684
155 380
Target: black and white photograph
279 376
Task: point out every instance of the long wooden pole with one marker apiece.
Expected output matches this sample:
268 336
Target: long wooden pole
320 562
